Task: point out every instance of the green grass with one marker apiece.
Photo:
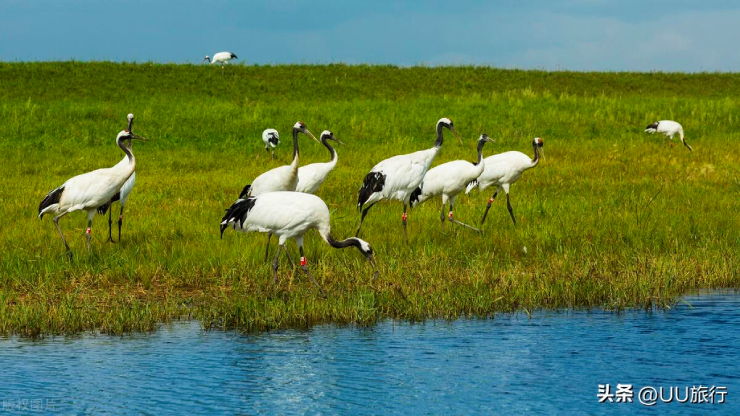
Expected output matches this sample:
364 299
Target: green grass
614 218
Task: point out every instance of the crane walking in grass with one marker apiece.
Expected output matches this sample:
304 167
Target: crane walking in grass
271 138
397 177
122 195
90 190
502 170
310 177
283 178
289 215
222 58
669 129
448 180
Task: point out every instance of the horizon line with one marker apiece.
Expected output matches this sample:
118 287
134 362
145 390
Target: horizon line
421 65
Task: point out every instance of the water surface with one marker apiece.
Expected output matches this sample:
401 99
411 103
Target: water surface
552 363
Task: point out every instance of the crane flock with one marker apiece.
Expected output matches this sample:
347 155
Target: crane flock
280 201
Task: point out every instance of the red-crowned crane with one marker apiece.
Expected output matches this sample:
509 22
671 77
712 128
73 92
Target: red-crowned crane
310 177
397 177
283 178
504 169
222 58
448 180
669 128
289 215
90 190
122 195
271 138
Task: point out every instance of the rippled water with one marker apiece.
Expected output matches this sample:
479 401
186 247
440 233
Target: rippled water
552 363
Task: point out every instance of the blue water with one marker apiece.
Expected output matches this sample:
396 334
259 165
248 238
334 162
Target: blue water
552 363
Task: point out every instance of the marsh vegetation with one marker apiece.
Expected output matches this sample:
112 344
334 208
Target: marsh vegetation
614 218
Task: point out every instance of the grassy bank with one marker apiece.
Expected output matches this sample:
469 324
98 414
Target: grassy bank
614 218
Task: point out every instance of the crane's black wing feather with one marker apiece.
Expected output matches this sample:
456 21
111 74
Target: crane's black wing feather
373 182
237 212
104 208
50 199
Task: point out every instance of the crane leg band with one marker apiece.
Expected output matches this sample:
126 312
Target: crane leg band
88 231
303 261
403 217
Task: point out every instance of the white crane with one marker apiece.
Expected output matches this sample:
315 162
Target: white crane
221 58
310 177
121 195
283 178
504 169
289 215
271 138
397 177
669 128
448 180
90 190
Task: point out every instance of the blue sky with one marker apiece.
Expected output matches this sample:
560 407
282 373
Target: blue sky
601 35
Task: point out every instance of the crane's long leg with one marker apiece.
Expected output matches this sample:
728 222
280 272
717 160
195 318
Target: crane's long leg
511 210
110 225
305 269
120 223
454 221
490 201
272 152
442 216
275 266
88 232
56 222
267 248
287 253
362 218
403 219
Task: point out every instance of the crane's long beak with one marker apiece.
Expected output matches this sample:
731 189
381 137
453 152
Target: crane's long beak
311 135
337 140
542 150
456 134
137 137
